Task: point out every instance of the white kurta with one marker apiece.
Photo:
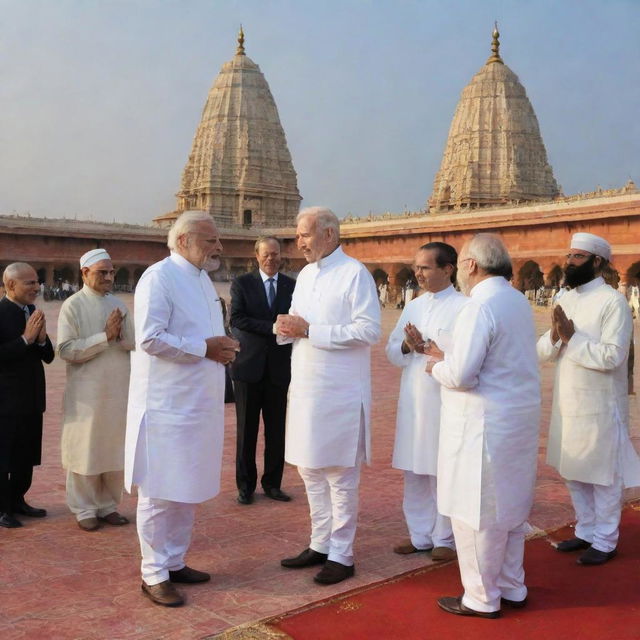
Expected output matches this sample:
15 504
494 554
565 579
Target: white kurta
490 410
589 430
95 395
418 414
175 418
331 370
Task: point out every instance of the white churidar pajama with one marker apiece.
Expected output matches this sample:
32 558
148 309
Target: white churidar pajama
418 416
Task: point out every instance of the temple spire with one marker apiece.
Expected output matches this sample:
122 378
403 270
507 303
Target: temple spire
240 49
495 46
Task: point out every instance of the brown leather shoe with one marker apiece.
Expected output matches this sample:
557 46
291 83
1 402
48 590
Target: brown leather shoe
333 572
406 547
164 594
443 554
454 605
89 524
187 575
114 519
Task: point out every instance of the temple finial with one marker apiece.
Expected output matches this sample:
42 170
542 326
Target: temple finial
240 49
495 46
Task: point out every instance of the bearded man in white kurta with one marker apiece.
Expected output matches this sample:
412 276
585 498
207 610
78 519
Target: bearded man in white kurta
95 336
589 440
175 418
489 431
333 321
429 317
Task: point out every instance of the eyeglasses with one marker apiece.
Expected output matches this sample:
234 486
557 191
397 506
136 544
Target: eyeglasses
578 256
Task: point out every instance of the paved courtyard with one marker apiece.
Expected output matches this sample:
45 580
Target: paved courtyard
58 582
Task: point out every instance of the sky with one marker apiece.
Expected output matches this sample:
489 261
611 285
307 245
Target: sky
100 99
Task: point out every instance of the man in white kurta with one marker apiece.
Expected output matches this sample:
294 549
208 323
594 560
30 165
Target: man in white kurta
95 336
428 317
589 440
333 321
175 418
489 431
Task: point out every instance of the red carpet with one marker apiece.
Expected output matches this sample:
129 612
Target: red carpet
566 600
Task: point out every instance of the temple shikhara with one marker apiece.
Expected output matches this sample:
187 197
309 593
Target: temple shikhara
494 176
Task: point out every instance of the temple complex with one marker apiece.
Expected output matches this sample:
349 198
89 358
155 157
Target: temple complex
494 177
239 168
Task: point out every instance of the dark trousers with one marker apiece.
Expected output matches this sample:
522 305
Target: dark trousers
13 487
251 399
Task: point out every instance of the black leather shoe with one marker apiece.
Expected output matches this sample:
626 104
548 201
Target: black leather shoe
8 521
593 556
308 558
454 605
277 494
245 498
333 572
574 544
514 604
27 510
187 575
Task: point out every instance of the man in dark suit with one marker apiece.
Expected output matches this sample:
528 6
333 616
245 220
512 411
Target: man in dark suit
261 371
24 344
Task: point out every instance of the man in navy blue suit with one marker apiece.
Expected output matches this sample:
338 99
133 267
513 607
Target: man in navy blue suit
261 371
24 345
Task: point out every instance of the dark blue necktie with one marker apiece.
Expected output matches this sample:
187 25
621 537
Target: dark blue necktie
272 293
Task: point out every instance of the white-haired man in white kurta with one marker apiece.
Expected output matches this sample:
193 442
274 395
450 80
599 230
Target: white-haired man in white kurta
333 321
95 336
589 440
175 419
489 431
428 317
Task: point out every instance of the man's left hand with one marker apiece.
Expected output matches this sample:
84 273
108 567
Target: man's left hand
292 326
562 326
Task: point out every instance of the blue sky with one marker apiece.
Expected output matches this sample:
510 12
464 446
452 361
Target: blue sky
101 98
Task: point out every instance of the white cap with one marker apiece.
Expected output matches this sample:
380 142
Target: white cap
591 243
93 256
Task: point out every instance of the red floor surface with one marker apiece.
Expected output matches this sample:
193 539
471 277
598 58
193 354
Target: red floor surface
566 600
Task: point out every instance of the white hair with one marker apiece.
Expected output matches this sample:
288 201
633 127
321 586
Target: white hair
324 217
490 254
14 271
185 223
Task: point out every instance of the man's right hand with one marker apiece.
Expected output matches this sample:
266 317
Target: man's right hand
114 325
222 349
34 326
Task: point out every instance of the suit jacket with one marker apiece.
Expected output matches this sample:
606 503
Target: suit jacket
22 383
252 325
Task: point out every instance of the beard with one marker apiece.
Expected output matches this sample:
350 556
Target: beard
576 275
463 283
212 264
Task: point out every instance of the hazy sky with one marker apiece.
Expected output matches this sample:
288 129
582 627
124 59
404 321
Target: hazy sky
101 98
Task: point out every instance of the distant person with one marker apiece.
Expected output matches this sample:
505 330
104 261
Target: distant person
175 417
95 336
261 371
589 440
24 346
489 431
333 321
428 317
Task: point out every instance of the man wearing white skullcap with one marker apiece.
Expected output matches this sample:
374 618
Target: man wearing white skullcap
589 440
95 336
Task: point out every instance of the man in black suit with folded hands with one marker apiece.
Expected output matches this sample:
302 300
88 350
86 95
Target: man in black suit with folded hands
261 371
24 345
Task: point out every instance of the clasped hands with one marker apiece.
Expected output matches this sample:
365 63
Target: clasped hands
36 328
113 328
561 327
413 341
222 349
291 326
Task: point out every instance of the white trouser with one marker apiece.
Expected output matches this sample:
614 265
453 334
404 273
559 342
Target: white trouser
597 510
491 565
94 496
164 530
427 527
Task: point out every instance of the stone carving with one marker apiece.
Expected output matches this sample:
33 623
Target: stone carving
239 168
494 154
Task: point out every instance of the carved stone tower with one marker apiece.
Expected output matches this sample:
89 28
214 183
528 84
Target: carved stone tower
494 153
239 168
